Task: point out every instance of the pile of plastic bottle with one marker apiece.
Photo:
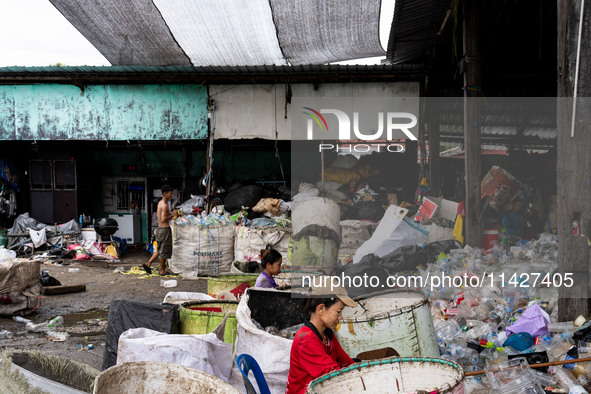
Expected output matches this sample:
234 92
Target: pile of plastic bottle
217 216
480 327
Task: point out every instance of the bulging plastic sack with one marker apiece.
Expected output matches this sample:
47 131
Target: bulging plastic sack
6 254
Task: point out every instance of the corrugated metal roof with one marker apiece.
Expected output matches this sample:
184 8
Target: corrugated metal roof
414 27
209 74
525 122
358 68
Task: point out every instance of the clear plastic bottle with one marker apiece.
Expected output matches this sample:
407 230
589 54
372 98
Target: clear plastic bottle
502 336
544 379
508 351
561 326
568 382
489 355
21 319
456 350
583 381
478 332
558 349
465 310
494 338
447 331
470 357
41 327
56 322
45 326
5 334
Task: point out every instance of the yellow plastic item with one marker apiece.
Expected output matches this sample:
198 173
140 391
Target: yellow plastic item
457 233
112 251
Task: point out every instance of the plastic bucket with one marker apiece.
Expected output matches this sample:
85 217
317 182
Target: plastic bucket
155 377
400 319
88 234
397 375
490 237
225 283
202 317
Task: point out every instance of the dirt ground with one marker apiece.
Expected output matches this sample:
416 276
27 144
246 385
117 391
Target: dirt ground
85 313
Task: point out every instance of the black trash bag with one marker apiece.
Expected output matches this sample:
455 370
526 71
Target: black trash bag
582 335
46 280
348 212
245 196
405 258
410 257
435 248
63 253
369 210
124 315
370 268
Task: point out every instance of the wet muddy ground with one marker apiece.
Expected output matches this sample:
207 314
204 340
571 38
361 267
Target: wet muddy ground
85 313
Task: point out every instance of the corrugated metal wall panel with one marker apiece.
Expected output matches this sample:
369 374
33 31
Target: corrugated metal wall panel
103 112
259 111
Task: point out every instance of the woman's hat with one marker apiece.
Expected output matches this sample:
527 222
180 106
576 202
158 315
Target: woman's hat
326 289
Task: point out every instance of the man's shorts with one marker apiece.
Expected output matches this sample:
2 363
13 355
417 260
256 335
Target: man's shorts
164 240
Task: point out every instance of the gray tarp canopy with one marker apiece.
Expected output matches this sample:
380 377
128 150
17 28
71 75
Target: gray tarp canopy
229 32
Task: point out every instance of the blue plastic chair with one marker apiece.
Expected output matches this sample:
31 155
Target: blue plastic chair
247 363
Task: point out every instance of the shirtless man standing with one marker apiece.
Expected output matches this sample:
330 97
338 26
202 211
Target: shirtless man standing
163 232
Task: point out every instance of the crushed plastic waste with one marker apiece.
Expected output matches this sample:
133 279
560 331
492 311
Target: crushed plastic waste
221 216
500 326
203 219
287 333
57 336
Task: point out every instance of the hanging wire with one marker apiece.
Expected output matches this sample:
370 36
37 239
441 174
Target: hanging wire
572 128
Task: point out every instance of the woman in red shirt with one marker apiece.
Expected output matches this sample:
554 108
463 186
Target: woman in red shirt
315 350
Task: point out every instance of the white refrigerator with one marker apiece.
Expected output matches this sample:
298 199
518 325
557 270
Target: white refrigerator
129 227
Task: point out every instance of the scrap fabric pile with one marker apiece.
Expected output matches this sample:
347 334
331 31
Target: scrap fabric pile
501 321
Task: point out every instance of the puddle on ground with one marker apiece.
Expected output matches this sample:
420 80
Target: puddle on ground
91 318
86 334
91 323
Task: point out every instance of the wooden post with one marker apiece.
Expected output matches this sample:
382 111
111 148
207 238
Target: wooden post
472 150
422 139
322 169
573 164
186 159
434 170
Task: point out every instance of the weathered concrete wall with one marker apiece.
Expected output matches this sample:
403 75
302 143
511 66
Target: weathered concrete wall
103 112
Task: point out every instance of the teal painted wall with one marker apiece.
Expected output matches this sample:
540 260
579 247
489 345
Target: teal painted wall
103 112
